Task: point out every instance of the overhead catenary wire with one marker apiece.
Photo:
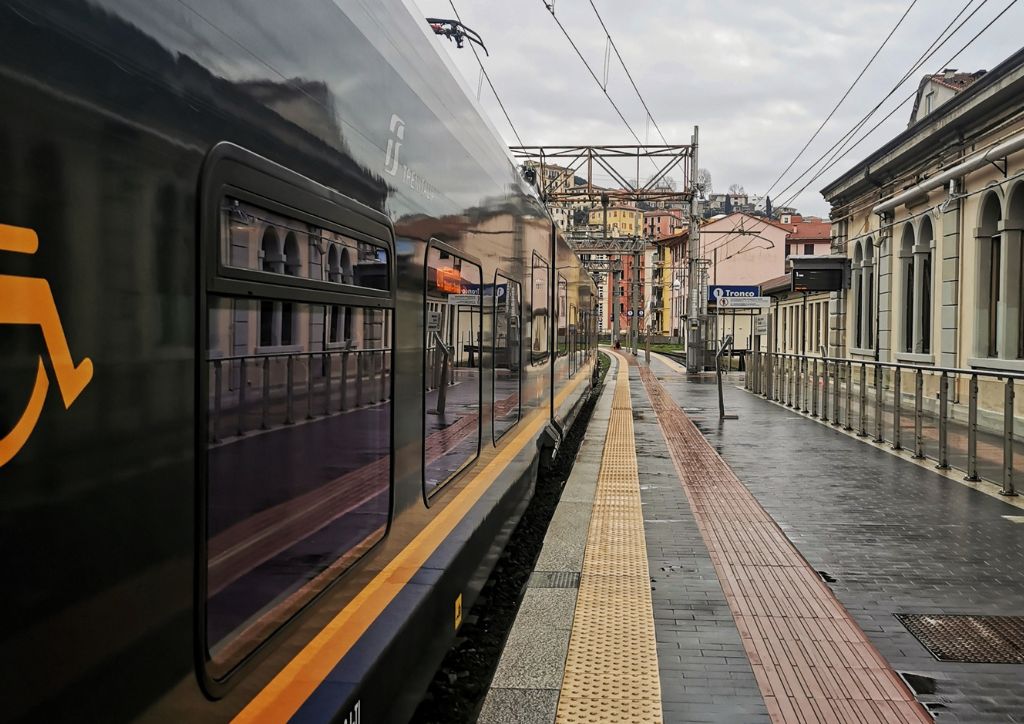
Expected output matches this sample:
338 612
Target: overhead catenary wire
629 75
865 136
793 196
550 8
844 96
488 77
842 152
926 55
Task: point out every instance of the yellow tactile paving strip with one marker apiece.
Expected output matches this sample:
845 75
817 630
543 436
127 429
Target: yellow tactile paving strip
611 671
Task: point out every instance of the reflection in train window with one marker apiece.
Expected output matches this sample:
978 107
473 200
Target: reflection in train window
298 462
508 340
256 239
540 312
451 410
562 301
574 343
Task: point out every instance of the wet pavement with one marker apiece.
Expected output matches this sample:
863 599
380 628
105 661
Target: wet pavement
887 535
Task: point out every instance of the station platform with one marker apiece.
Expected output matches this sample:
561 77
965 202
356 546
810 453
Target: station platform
769 568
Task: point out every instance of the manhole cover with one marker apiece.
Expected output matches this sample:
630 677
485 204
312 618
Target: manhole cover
969 639
554 579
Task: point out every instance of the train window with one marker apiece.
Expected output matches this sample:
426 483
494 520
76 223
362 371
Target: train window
562 301
260 240
295 378
453 345
297 462
508 340
540 313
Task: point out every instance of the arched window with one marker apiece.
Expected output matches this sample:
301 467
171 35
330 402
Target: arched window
989 277
868 292
271 261
292 267
858 316
1012 232
347 277
923 317
907 280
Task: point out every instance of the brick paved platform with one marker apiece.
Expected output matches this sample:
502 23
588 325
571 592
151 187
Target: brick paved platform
743 523
895 536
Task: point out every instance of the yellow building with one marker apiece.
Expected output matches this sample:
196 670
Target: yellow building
622 220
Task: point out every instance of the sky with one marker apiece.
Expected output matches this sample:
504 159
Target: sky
758 78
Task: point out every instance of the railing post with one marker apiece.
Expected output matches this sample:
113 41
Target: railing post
837 392
359 378
918 413
814 387
265 412
849 395
289 414
784 367
215 418
344 381
327 382
242 384
897 409
805 378
879 432
972 429
309 387
824 389
863 399
943 423
1008 488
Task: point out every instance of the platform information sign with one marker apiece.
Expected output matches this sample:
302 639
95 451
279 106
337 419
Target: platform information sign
717 292
744 302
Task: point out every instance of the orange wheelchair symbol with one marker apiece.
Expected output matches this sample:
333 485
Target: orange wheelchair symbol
28 300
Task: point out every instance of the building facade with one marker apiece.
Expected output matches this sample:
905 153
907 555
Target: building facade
932 223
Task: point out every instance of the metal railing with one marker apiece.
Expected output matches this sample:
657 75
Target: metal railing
966 416
261 391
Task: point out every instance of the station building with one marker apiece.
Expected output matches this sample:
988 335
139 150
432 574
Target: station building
932 224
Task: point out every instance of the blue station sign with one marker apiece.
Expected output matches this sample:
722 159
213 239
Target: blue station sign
719 291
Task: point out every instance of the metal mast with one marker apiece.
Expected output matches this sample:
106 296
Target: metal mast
695 336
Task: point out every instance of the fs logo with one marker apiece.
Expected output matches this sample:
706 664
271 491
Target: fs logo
394 144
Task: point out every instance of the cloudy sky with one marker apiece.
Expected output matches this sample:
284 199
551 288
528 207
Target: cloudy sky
757 77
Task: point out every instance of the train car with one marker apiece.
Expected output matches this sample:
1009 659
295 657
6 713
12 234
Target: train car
284 337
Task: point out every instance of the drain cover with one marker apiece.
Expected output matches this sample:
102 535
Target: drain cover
554 579
969 639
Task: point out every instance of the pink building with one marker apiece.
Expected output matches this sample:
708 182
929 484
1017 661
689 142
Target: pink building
662 222
625 286
808 235
744 249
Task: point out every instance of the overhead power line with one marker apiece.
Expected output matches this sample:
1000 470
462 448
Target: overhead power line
864 137
832 154
488 77
628 74
844 96
590 70
833 161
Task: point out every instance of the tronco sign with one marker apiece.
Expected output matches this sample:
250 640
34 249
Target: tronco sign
723 291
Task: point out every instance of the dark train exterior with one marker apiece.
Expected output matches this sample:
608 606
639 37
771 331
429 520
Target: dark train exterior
283 339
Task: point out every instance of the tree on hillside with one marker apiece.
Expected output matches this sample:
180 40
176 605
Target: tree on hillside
704 188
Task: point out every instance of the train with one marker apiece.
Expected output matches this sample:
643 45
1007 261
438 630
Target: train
285 336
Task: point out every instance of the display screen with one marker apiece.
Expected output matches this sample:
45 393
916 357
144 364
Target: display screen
817 280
